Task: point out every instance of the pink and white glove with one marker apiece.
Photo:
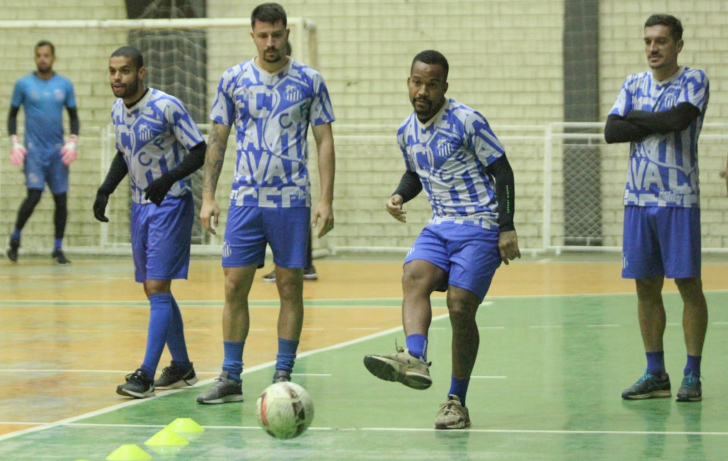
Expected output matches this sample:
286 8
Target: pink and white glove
18 152
68 151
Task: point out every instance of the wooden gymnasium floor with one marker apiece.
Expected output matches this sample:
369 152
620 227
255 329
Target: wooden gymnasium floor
559 341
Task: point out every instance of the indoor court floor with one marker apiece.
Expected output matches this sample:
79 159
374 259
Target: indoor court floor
559 342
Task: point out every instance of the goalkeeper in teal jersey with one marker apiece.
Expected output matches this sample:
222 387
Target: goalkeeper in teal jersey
44 155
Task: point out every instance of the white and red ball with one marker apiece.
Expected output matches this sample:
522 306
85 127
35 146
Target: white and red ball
285 410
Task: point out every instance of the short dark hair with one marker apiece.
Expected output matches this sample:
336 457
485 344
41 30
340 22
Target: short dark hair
130 52
46 43
676 28
434 58
270 13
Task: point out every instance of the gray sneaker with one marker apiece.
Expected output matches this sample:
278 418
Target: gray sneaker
452 414
401 367
281 376
223 391
690 389
649 386
174 377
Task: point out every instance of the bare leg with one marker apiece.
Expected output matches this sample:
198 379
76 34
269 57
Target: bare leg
651 312
235 315
463 305
290 290
419 280
695 314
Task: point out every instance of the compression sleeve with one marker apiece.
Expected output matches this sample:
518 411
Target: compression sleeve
409 186
116 173
676 119
504 192
191 163
618 129
13 120
75 123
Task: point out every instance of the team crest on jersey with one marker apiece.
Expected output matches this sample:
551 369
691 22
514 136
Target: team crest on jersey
292 93
670 100
444 148
59 94
144 133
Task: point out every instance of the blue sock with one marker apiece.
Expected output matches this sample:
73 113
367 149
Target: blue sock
176 338
233 361
15 235
693 365
286 354
57 244
459 387
160 316
655 362
417 346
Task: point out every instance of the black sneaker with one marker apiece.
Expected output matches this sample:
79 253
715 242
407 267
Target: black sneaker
690 390
309 273
138 385
649 386
60 258
12 251
281 376
174 377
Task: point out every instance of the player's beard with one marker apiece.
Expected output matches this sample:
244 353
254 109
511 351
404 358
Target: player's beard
44 68
422 112
278 56
130 89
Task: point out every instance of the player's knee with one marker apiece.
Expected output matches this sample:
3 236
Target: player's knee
461 309
33 197
61 201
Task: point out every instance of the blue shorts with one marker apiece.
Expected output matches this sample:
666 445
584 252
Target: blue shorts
160 238
249 228
661 241
469 254
45 167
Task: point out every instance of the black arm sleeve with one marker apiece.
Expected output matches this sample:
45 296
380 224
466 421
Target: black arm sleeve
75 124
504 192
676 119
620 130
191 163
117 171
409 186
13 120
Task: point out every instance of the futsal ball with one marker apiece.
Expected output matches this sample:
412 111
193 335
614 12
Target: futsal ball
284 410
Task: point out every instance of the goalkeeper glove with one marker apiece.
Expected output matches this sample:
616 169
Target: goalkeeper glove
18 152
157 190
68 151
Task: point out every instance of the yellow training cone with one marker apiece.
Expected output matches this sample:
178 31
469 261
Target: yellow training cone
128 453
166 437
185 425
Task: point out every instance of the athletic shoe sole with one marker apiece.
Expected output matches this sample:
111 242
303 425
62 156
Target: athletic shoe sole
226 399
649 395
136 395
179 384
386 369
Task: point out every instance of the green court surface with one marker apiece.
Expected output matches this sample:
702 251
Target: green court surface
546 386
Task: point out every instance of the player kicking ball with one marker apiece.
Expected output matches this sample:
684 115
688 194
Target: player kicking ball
449 149
158 145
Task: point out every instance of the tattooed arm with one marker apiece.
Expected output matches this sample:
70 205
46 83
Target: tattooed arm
214 158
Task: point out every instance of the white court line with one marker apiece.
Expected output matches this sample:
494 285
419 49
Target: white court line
46 370
438 328
491 328
719 323
546 326
674 324
67 421
415 429
606 325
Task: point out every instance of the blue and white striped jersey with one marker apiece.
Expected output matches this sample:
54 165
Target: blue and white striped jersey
43 101
663 168
271 113
450 153
154 136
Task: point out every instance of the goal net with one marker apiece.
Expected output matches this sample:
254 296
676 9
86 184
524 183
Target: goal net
183 57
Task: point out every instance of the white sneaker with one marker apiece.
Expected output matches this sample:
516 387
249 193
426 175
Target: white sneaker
401 367
452 414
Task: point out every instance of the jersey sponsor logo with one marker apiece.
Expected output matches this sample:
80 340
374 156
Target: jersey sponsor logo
59 94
